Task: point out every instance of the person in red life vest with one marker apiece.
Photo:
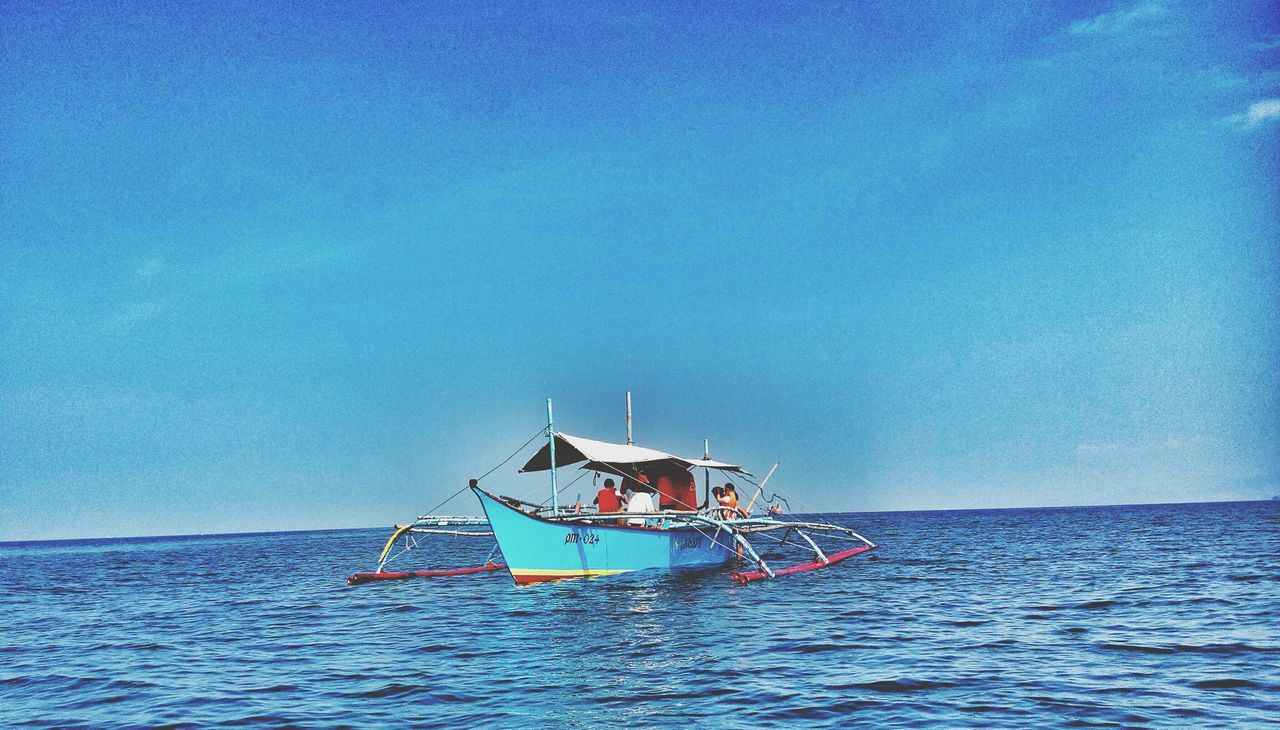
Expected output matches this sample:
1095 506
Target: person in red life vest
632 484
609 499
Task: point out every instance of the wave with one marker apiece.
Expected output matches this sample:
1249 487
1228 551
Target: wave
1228 683
894 686
1225 649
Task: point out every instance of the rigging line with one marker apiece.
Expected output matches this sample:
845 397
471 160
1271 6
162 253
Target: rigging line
701 530
543 503
625 477
806 508
540 433
778 498
607 468
714 541
561 489
712 538
619 472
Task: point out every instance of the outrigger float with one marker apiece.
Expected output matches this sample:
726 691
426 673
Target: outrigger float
546 542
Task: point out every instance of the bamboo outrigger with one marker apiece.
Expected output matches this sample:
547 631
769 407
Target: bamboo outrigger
541 542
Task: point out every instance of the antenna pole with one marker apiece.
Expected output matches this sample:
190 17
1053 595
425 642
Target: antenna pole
706 474
760 489
630 440
551 441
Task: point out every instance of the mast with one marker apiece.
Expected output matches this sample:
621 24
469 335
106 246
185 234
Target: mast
630 440
551 441
706 474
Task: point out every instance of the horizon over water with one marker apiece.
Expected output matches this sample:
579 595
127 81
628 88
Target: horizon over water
1000 617
248 533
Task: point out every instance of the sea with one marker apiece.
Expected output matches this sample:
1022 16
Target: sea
1154 616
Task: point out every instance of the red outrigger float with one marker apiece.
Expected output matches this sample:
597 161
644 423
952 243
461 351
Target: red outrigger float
542 542
746 576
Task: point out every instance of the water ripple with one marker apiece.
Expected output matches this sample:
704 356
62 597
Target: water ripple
1088 618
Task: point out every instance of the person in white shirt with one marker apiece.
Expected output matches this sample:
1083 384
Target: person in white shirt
641 501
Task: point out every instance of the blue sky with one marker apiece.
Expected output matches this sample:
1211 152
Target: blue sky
284 268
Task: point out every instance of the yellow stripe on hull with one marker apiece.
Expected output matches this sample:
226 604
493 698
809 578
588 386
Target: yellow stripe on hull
540 575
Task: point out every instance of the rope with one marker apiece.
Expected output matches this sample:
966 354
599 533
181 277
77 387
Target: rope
778 498
805 507
541 432
561 489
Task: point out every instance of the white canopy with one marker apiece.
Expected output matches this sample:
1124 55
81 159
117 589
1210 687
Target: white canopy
713 464
573 449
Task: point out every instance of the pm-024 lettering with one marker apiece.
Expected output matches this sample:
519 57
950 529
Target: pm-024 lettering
584 538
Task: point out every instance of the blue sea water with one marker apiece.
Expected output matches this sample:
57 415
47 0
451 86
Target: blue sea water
1163 615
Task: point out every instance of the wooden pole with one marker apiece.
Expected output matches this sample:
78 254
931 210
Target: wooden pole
630 440
760 489
551 440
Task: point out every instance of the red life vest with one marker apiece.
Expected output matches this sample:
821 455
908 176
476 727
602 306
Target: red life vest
607 500
678 492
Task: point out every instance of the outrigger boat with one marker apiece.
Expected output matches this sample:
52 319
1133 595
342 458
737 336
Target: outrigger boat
546 542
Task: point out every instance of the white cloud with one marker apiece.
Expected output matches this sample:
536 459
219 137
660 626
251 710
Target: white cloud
1119 20
1259 112
1262 111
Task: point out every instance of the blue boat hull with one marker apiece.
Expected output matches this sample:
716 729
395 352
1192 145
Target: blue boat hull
537 549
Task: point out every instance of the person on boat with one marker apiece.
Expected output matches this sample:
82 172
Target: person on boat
609 499
722 499
775 510
641 501
731 501
717 494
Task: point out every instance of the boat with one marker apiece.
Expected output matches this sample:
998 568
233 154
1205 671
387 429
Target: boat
542 542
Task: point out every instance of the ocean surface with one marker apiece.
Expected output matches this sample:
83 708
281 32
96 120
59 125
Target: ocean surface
1154 615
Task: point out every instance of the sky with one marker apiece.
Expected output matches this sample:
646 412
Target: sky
269 267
